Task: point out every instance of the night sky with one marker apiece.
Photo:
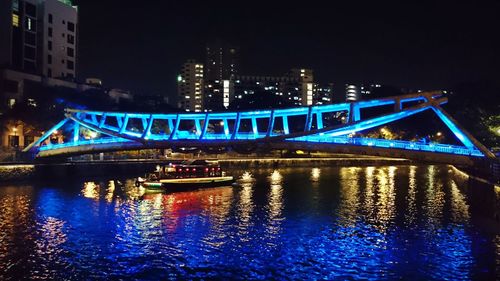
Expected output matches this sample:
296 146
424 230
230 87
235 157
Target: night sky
141 45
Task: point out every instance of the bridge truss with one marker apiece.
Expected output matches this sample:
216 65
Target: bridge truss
95 131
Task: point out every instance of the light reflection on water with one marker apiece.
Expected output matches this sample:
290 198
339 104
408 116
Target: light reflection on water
275 204
404 222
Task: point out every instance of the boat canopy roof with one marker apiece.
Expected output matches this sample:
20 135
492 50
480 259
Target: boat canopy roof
199 162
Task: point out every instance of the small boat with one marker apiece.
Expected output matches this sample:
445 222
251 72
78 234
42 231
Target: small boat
188 174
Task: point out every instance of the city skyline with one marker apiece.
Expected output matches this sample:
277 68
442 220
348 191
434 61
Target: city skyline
429 46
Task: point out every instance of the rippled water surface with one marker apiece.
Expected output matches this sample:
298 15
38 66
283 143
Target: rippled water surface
380 223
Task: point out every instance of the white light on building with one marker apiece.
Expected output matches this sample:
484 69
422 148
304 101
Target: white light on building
225 92
309 100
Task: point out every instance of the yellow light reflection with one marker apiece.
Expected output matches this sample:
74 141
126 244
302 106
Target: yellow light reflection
435 197
245 210
386 200
16 210
247 177
90 190
349 195
132 192
368 203
315 174
110 191
275 204
411 208
276 178
275 207
459 206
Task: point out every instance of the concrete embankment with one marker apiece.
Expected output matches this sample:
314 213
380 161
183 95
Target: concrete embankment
13 172
311 162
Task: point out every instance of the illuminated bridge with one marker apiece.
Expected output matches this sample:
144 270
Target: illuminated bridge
330 128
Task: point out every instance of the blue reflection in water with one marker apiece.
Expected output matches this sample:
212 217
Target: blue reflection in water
371 223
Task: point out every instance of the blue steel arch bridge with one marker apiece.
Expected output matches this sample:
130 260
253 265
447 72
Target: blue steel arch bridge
116 131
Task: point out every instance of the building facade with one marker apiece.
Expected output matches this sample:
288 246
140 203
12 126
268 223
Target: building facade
221 67
221 61
39 37
323 94
357 92
249 86
295 87
190 87
306 85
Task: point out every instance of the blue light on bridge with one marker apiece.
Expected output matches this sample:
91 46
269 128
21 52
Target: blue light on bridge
120 133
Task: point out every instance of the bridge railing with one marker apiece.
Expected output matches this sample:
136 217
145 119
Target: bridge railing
407 145
83 142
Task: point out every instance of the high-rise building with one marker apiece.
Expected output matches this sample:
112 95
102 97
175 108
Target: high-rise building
306 87
221 62
220 69
190 86
39 37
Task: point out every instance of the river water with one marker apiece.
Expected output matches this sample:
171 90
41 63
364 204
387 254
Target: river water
343 223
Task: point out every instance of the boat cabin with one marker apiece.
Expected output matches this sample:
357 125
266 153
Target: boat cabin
187 169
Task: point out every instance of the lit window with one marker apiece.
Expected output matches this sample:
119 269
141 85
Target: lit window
30 24
12 102
15 20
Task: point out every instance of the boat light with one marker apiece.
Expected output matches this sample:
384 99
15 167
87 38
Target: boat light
206 169
194 170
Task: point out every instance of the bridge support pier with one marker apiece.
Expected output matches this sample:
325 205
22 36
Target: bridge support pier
286 129
170 125
76 132
270 125
236 126
255 129
319 120
226 127
354 113
198 127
